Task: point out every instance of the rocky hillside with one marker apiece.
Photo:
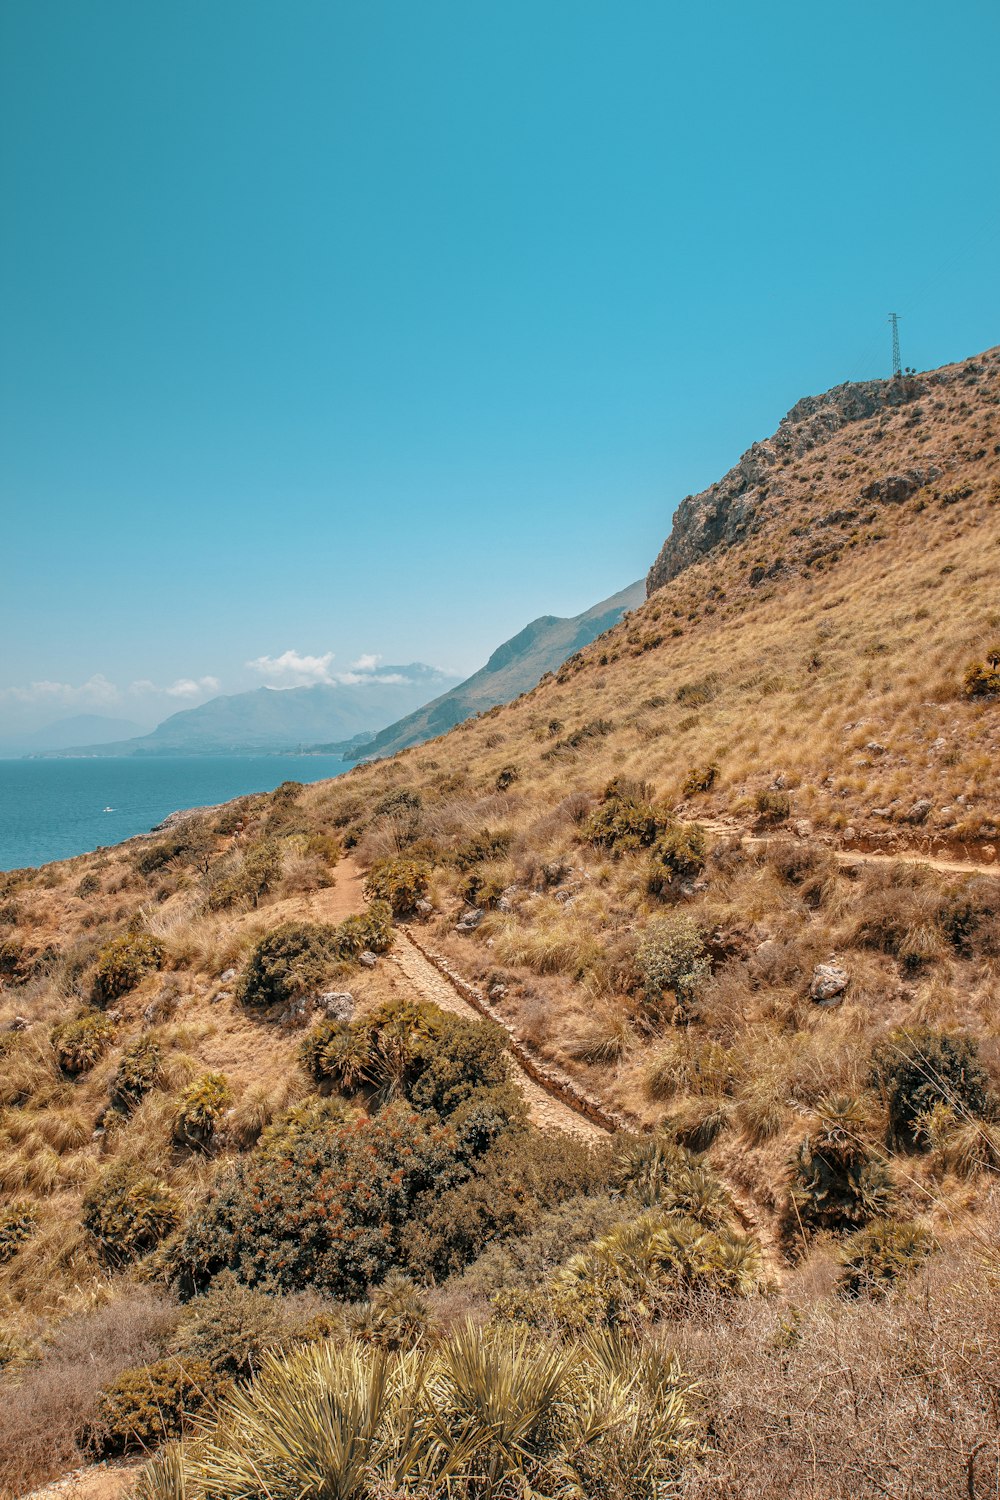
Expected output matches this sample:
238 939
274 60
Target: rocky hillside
729 884
843 427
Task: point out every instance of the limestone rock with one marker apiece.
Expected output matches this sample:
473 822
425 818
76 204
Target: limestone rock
336 1005
919 811
828 983
368 959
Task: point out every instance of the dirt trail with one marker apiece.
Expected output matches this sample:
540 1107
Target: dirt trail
548 1111
429 984
725 829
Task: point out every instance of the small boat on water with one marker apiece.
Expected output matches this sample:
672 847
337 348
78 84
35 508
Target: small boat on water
107 809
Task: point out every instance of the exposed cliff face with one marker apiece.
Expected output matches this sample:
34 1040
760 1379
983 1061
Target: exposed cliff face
737 505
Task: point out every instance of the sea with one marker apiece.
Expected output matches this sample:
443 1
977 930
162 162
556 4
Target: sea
53 809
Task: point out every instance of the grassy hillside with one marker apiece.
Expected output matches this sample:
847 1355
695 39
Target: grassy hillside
731 876
514 668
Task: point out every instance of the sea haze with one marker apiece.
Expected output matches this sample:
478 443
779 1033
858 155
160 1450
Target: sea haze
53 809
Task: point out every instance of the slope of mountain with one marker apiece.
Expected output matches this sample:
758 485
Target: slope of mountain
514 668
284 718
80 729
743 889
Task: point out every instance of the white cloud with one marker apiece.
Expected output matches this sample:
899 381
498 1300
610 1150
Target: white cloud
191 687
367 662
96 689
292 669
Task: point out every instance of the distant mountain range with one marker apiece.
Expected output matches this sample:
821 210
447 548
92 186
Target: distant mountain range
514 668
267 719
80 729
378 712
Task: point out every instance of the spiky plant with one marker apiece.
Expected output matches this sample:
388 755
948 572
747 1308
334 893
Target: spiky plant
331 1420
837 1181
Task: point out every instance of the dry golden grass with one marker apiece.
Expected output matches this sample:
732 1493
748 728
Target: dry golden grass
838 684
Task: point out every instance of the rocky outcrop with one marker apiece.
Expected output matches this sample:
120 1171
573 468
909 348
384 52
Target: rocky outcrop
736 507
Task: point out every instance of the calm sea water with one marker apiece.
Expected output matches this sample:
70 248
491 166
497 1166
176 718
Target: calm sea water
52 809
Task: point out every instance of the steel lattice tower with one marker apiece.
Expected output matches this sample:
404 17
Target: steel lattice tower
897 368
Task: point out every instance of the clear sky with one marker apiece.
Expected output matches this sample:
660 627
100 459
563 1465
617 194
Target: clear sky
379 327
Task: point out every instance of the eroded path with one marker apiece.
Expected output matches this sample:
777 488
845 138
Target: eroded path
427 983
725 829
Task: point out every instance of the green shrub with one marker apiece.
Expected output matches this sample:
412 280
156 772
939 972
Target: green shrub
329 1206
139 1071
482 847
412 1049
232 1327
524 1173
626 819
402 882
191 843
292 960
370 931
18 1223
674 967
248 878
677 855
123 963
129 1212
837 1181
199 1109
701 778
982 678
145 1407
640 1272
876 1258
506 778
970 917
918 1068
485 884
772 807
80 1043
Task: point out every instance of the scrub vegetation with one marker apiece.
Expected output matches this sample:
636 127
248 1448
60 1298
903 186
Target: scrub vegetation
286 1216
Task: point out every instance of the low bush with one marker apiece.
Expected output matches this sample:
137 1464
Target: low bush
678 855
982 678
191 843
245 878
401 882
123 963
626 819
641 1271
18 1223
328 1206
128 1212
488 844
772 806
701 778
297 959
82 1042
506 777
487 1413
434 1058
139 1071
233 1327
145 1407
919 1068
838 1182
875 1259
523 1174
970 917
674 968
200 1108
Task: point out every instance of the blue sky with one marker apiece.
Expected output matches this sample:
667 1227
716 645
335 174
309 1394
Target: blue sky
380 328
